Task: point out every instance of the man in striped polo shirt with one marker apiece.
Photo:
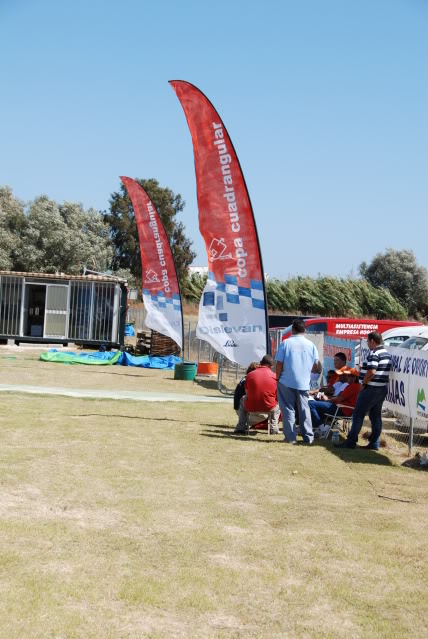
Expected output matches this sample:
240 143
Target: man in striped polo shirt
374 378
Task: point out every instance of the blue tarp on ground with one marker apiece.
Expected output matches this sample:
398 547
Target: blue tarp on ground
145 361
103 358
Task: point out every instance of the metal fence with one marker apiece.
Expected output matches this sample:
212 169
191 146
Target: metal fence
195 349
404 434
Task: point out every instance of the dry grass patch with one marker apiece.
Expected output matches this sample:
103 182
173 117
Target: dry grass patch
150 520
23 366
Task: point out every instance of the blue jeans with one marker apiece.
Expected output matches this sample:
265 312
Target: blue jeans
369 401
319 409
287 399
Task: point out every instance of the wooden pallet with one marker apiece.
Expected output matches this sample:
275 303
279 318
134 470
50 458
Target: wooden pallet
143 342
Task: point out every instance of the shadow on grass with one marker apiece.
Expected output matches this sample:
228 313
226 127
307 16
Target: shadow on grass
210 384
207 384
415 464
358 455
219 426
117 372
24 368
229 434
149 419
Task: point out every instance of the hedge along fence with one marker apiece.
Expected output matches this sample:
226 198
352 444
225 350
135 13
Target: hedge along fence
333 296
324 296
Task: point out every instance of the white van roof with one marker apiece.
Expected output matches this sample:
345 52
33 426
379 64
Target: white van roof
401 331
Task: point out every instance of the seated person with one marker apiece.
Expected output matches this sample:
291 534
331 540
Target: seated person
348 396
316 376
329 382
339 363
260 398
331 389
240 387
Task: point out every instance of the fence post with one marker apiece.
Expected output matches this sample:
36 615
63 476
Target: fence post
220 371
188 344
199 350
411 437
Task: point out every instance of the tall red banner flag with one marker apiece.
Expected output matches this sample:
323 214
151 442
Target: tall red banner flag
161 292
232 310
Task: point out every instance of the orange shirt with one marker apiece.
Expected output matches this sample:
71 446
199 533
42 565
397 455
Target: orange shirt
349 397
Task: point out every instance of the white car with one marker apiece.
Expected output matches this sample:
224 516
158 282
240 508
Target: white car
417 342
396 336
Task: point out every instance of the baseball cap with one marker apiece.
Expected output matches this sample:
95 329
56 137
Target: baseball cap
354 371
341 371
347 370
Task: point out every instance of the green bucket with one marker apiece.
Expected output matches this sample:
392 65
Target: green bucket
185 370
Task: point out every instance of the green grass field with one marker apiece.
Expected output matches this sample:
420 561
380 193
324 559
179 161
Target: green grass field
151 520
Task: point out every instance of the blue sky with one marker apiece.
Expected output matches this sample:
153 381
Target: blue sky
326 103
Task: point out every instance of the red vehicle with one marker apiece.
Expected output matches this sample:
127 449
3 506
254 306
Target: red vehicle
349 327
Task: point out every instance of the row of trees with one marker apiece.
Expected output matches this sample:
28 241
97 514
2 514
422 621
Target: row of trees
48 237
324 296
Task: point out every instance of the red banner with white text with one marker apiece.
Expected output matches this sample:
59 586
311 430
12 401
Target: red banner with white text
161 293
232 314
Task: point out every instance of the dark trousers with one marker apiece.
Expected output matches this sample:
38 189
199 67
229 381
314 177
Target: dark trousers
319 409
369 401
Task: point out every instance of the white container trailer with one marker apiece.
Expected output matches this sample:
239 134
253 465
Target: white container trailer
57 308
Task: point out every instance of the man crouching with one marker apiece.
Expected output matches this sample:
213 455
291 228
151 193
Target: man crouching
260 399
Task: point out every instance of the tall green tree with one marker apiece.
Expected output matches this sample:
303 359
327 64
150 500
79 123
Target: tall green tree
399 272
12 223
123 227
51 237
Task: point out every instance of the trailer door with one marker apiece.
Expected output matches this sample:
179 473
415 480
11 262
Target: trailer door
56 310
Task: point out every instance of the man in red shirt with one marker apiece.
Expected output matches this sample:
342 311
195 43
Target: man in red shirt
260 398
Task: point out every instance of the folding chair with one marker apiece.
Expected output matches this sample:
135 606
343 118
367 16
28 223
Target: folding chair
338 420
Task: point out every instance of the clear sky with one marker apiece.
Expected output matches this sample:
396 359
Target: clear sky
326 102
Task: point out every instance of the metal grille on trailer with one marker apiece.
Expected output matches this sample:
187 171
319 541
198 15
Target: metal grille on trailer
10 304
